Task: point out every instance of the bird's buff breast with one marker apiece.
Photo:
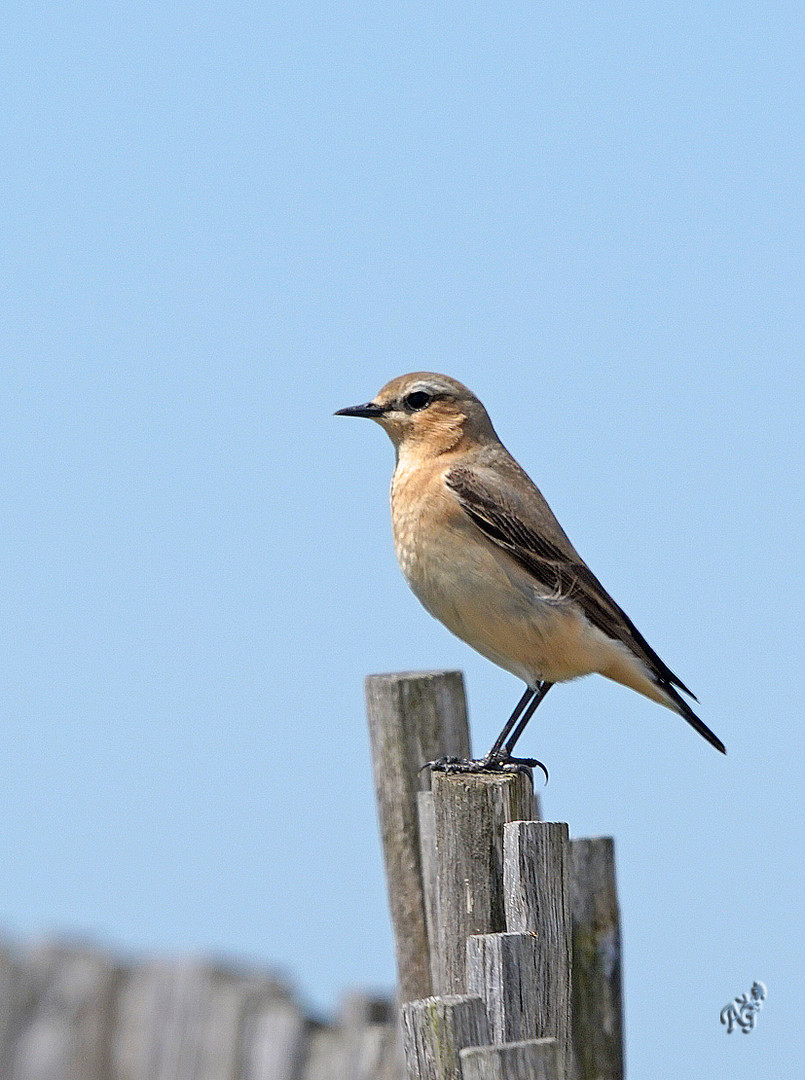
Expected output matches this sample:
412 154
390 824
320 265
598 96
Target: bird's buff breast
433 556
459 579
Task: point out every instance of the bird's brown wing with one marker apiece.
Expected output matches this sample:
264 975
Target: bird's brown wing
552 561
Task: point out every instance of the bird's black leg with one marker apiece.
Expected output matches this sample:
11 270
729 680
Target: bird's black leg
493 758
500 757
530 691
532 708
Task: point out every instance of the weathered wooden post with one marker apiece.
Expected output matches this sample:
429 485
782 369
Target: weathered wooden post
437 1029
536 1059
413 718
59 1016
494 873
470 812
504 970
487 903
597 996
537 893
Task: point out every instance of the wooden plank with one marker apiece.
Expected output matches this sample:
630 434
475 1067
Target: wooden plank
374 1047
536 1059
536 875
358 1008
436 1029
367 1023
392 1065
426 818
368 1049
64 1014
503 970
325 1055
597 996
470 812
273 1045
77 1013
192 1021
414 717
11 1002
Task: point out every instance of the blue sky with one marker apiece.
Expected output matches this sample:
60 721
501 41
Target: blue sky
218 227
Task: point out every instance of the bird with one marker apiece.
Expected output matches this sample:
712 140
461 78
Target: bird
482 551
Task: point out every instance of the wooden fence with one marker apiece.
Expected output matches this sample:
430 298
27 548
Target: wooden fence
507 942
507 931
75 1012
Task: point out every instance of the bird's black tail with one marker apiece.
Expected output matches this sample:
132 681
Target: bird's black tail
685 710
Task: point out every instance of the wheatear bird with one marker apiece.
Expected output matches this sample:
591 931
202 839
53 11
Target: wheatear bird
481 549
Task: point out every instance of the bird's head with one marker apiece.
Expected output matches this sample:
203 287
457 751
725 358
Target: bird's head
426 412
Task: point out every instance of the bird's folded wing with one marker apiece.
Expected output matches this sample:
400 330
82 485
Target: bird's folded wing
503 515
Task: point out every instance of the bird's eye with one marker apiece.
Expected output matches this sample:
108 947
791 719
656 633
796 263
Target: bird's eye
419 399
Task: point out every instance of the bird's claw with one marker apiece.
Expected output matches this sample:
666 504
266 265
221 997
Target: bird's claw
489 764
445 764
515 764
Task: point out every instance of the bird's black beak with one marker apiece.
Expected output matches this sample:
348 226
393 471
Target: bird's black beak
369 410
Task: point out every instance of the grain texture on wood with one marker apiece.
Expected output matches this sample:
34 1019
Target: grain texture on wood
470 812
426 816
413 718
536 876
503 970
597 1001
436 1029
537 1059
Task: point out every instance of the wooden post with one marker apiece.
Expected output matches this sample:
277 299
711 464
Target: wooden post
13 995
325 1054
470 812
195 1021
536 1059
273 1043
413 718
597 1002
536 874
436 1030
65 1014
504 970
368 1030
426 817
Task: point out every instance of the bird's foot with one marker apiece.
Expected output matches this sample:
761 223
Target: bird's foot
492 763
504 761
